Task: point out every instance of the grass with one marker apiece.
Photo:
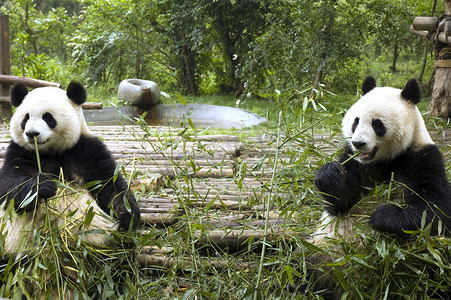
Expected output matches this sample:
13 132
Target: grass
268 268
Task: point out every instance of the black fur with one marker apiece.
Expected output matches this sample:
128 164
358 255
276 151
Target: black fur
88 159
420 170
411 91
355 124
76 92
18 93
379 127
368 84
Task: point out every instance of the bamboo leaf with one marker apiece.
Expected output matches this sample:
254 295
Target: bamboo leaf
181 99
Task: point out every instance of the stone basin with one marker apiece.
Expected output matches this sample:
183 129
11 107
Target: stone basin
202 115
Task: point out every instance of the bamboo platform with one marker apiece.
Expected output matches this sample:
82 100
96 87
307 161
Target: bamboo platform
172 172
158 161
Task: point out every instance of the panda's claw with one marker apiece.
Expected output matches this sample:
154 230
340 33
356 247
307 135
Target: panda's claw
127 216
387 218
330 178
46 186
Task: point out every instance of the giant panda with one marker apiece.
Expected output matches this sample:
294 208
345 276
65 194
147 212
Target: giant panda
56 170
386 140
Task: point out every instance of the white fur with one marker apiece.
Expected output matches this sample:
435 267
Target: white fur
402 120
70 121
20 228
334 227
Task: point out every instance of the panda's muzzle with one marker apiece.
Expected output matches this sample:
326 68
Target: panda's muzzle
357 145
364 155
31 135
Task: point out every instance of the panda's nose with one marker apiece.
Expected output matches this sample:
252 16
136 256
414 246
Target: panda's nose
359 145
32 134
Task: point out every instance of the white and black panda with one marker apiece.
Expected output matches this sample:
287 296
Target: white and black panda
67 153
386 139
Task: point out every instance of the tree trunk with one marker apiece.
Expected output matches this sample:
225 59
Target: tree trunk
440 105
425 53
138 57
5 67
317 82
395 57
330 14
188 71
229 44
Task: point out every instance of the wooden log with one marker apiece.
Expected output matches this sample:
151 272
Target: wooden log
157 203
424 23
86 105
5 66
151 182
236 238
255 223
141 155
161 209
133 134
30 82
441 37
166 219
168 261
234 149
92 105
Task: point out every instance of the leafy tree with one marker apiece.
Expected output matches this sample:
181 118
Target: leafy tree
38 43
209 45
111 41
184 27
236 24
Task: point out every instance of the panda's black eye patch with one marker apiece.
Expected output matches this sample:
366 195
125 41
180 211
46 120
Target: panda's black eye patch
49 119
378 127
355 124
24 121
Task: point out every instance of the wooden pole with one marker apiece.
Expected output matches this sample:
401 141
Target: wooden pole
30 82
5 66
440 105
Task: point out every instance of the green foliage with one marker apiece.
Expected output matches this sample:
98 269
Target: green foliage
210 47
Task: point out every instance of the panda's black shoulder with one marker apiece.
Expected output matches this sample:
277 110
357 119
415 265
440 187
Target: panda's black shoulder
17 157
17 153
87 146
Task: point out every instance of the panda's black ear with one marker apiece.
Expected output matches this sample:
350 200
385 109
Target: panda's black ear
76 92
411 91
368 84
18 93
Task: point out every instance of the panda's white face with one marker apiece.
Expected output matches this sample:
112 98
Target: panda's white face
49 116
381 125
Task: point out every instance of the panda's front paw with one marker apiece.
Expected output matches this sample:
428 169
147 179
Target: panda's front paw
330 178
127 212
47 187
386 218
